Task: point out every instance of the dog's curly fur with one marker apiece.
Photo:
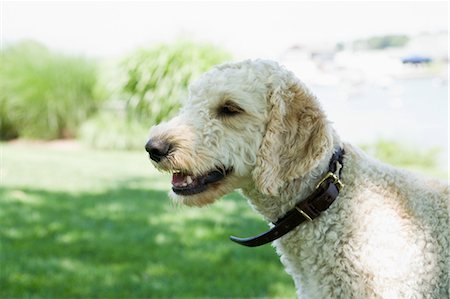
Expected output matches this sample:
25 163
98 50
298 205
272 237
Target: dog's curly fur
386 236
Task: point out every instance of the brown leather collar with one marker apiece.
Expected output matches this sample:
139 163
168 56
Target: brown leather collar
327 190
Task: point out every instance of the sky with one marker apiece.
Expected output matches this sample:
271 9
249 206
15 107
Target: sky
247 29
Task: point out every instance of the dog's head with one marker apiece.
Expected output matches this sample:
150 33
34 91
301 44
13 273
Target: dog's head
245 124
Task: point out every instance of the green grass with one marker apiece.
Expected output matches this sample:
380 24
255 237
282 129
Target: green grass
92 224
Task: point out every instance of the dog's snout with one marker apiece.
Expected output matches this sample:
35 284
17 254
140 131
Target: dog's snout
157 149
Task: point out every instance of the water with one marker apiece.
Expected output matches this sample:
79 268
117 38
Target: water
412 111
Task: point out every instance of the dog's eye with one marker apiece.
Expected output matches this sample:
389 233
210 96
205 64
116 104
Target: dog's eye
229 109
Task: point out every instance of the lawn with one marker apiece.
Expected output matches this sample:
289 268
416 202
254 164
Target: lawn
78 223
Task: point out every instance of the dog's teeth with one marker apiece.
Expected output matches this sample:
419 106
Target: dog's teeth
188 180
184 184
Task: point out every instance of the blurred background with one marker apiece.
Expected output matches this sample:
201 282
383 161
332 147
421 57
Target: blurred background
82 212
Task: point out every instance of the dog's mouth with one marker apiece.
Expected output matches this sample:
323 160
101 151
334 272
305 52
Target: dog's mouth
184 183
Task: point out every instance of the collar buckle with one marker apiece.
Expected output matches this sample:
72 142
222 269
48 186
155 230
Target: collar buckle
335 178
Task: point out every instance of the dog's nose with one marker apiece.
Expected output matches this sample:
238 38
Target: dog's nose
157 149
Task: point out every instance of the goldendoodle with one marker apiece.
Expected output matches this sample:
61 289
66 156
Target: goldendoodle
345 225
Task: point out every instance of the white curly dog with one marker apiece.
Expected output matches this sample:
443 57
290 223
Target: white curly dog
254 126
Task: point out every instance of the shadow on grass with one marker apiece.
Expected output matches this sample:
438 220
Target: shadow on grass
130 243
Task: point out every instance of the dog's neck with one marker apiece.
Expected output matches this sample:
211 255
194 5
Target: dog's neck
273 208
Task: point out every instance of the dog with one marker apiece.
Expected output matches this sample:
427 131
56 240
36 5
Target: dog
344 224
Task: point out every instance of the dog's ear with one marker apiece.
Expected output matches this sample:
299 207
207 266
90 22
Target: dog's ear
297 137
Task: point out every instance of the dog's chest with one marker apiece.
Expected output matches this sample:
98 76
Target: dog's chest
357 247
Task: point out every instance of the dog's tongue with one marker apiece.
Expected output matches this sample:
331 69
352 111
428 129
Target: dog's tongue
178 179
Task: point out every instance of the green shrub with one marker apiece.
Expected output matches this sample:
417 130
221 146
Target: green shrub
404 156
380 42
7 128
108 130
143 89
154 80
44 94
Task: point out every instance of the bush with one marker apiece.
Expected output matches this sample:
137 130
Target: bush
144 89
388 41
403 155
109 130
44 94
154 80
381 42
